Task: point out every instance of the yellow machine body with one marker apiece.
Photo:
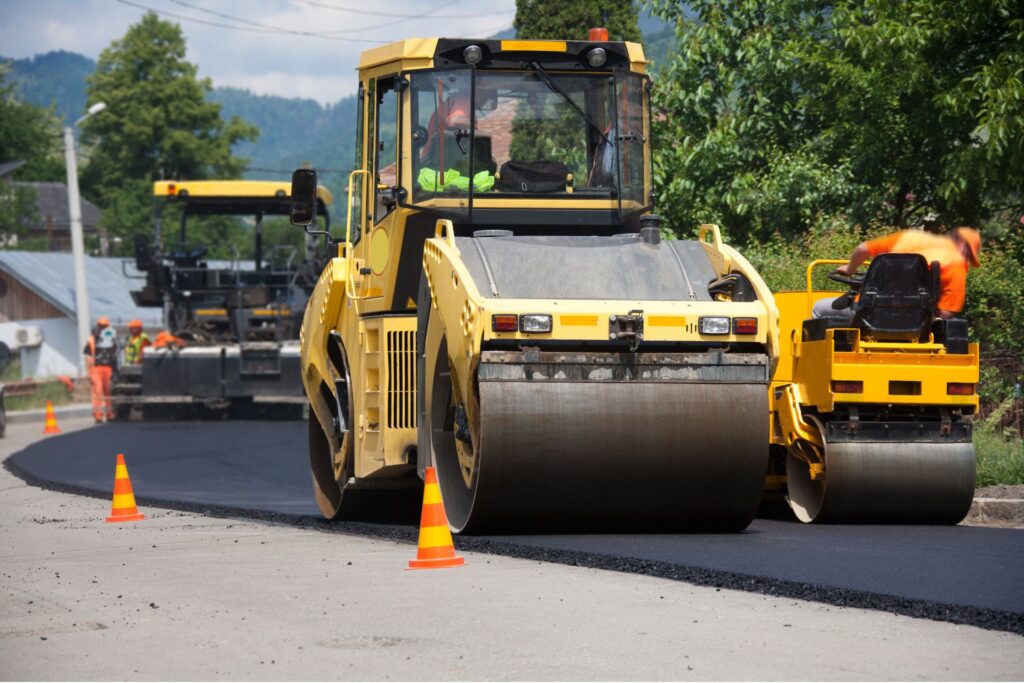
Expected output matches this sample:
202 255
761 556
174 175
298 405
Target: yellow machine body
823 389
405 359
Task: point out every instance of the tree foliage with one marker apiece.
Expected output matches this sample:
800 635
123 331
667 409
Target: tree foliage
571 19
779 111
29 133
158 124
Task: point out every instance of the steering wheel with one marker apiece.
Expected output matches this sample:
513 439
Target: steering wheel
853 281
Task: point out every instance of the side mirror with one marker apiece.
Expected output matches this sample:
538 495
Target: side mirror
303 209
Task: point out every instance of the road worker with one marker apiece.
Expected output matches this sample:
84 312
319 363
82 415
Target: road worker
100 359
167 340
956 253
137 341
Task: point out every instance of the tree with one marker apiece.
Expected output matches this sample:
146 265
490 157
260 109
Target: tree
784 110
571 19
29 133
158 124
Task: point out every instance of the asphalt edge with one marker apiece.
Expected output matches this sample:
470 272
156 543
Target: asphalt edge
70 410
988 619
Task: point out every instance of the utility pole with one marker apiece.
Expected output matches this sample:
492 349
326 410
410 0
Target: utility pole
77 241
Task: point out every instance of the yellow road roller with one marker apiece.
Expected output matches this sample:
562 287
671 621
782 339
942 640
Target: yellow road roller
503 305
872 407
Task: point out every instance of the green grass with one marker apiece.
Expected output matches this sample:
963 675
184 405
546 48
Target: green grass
1000 452
54 391
12 373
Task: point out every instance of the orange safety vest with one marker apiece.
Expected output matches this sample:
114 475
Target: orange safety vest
952 266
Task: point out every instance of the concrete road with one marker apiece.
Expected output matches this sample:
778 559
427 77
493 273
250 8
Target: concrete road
963 574
184 596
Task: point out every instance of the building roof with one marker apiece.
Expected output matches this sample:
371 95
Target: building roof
10 167
52 277
52 200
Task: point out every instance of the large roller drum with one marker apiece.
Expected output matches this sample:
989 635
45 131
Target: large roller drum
873 480
601 442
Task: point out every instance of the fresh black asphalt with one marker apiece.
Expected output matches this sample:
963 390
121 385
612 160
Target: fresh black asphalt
963 574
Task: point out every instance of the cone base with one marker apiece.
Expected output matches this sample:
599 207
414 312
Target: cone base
51 430
439 563
126 518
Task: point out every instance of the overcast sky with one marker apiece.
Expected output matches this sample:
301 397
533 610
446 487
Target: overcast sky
265 50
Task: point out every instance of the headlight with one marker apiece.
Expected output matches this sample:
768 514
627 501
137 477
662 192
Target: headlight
715 325
532 322
473 54
597 57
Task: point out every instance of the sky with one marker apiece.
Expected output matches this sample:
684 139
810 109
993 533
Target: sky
291 48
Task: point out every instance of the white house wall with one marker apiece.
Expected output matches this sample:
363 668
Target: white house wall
57 355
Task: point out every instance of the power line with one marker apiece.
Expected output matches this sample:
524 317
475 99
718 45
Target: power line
402 20
425 15
249 29
266 26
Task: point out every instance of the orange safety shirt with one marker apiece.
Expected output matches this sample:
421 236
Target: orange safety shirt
952 265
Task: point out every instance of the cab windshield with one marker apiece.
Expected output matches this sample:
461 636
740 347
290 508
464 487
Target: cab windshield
528 133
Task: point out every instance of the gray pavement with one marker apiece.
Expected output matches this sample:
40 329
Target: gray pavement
183 596
962 574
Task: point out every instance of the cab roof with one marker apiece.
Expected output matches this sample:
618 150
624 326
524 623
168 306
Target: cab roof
424 53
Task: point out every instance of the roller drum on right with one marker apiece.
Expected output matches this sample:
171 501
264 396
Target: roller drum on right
886 483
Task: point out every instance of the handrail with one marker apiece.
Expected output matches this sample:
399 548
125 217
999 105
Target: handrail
445 230
349 259
715 232
821 262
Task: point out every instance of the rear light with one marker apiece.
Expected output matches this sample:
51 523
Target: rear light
714 325
845 387
744 325
504 323
534 323
959 389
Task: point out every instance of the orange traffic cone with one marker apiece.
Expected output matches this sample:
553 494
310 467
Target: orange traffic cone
435 548
50 426
123 507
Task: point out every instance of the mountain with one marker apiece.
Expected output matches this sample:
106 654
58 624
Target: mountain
293 131
56 78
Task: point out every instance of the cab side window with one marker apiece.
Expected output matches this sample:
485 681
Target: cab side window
385 169
358 182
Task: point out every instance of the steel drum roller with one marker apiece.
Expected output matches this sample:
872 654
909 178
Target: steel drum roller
611 455
886 482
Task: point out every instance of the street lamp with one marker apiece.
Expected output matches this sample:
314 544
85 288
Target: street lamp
77 243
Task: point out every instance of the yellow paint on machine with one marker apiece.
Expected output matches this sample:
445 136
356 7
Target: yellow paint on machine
578 320
379 251
211 311
533 46
666 321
